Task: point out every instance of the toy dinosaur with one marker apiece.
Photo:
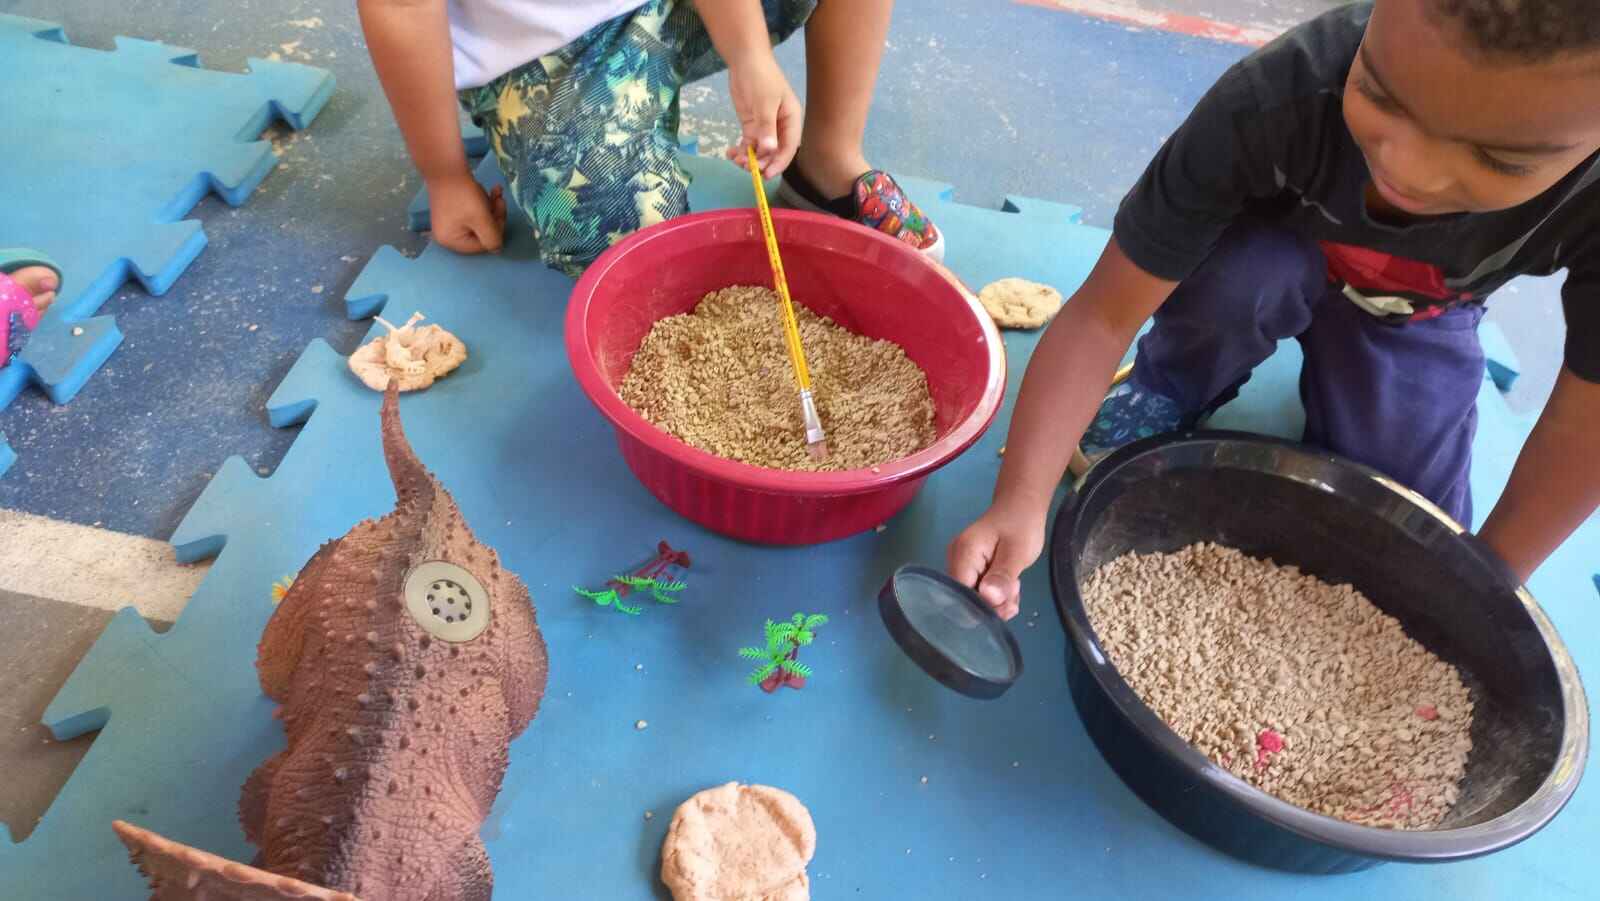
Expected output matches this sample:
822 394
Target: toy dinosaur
405 659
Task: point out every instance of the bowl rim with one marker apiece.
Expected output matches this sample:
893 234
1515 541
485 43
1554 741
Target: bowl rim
856 481
1498 833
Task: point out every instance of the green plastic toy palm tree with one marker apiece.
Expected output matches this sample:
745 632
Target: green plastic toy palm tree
664 592
784 641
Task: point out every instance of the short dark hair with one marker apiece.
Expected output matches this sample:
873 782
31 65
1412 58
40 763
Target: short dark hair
1525 30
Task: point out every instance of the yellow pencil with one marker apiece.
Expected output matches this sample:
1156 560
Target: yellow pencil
816 441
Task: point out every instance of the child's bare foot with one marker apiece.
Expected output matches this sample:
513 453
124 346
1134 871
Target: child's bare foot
39 281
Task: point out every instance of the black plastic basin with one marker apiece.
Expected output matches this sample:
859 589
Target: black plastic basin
1343 523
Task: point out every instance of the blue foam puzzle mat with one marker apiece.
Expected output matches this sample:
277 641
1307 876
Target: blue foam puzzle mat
1499 357
1016 802
7 455
103 154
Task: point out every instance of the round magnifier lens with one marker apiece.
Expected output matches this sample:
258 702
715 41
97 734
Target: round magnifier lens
950 632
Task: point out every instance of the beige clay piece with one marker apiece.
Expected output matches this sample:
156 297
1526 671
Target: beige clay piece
1019 303
404 659
739 843
413 356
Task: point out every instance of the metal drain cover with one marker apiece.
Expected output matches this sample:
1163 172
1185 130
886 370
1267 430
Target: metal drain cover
446 601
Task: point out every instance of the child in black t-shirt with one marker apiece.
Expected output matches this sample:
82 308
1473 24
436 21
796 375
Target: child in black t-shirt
1362 184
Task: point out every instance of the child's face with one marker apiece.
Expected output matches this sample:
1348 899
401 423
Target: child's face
1446 130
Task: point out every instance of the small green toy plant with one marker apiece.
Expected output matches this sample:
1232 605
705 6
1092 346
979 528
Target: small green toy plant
784 641
648 577
663 591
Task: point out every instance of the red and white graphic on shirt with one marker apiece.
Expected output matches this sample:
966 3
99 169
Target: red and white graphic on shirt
1376 275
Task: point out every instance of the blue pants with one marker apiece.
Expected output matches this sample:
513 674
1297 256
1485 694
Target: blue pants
1399 398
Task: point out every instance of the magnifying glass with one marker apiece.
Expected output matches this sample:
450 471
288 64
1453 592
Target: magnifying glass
950 632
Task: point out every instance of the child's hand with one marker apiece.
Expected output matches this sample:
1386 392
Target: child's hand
465 219
769 113
992 553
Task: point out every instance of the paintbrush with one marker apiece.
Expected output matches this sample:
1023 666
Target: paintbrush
816 441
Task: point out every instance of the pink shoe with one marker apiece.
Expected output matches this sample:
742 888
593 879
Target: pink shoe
14 300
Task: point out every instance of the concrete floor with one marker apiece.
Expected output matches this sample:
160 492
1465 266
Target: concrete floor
1064 106
40 643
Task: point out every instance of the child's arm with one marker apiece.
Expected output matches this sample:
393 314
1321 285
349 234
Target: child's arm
1064 385
410 45
1555 485
769 112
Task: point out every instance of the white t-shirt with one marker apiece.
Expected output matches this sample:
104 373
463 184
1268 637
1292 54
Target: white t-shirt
492 37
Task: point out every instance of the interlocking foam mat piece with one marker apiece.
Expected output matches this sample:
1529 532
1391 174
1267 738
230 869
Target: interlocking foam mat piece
103 152
916 792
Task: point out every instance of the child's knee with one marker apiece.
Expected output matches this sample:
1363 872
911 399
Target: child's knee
577 218
1259 281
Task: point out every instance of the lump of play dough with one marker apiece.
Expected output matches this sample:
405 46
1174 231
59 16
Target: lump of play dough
739 843
414 356
1019 303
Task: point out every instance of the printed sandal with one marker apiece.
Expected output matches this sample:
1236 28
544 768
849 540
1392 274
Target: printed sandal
875 201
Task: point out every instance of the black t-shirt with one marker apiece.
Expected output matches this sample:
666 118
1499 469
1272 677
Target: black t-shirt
1269 141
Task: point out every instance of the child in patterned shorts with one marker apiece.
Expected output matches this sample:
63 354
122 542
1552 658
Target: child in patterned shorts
579 99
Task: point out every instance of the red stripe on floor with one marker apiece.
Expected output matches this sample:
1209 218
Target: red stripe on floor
1125 13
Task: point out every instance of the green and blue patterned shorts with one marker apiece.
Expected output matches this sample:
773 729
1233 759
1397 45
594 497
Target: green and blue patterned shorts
587 136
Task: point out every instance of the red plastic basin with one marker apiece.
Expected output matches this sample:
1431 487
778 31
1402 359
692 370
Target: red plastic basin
863 280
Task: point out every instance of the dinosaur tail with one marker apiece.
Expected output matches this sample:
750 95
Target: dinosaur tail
178 872
412 481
